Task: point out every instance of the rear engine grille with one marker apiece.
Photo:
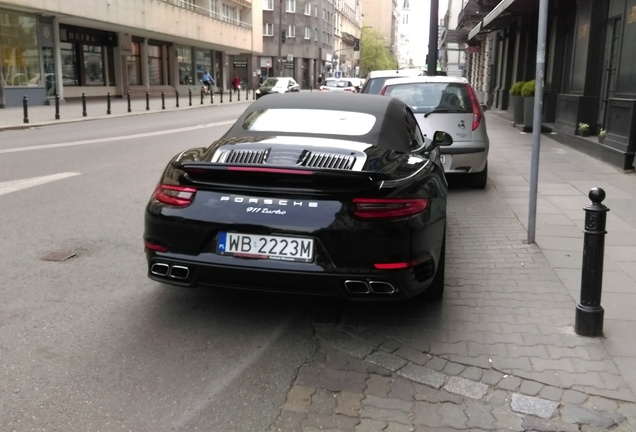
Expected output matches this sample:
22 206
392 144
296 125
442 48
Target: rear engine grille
326 160
247 157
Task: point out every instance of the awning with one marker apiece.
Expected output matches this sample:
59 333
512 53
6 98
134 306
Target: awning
502 14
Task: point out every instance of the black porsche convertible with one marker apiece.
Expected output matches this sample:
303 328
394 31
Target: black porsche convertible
307 193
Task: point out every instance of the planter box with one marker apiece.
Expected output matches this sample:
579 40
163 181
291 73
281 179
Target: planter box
517 109
528 113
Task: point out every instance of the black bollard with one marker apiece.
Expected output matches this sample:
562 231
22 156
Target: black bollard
147 100
163 100
177 98
84 104
238 94
108 103
57 106
231 91
247 93
190 96
221 95
589 313
128 96
201 96
25 108
211 95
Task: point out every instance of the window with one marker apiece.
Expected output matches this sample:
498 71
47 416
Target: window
316 34
155 65
307 8
268 5
295 121
307 32
20 55
94 65
184 55
230 14
268 29
290 6
133 64
291 31
316 10
70 77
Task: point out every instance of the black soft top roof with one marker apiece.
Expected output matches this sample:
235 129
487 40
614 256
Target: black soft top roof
389 130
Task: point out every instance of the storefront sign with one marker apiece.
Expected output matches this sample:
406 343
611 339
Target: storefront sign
87 36
240 64
289 65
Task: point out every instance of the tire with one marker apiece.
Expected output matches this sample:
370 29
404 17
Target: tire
479 180
436 290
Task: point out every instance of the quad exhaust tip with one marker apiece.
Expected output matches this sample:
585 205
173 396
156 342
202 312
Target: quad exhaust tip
170 271
370 287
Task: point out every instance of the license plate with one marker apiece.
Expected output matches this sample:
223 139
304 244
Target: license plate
266 247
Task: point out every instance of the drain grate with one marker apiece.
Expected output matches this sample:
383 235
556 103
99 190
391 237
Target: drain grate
58 256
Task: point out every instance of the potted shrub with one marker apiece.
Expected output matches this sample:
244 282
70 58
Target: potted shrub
517 102
583 129
601 135
527 92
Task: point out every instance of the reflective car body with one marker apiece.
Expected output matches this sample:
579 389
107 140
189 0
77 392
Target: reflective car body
338 85
449 104
281 203
277 85
375 79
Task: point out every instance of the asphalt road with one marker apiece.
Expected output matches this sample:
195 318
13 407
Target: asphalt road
87 341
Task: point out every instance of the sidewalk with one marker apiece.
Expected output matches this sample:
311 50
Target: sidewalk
72 111
500 352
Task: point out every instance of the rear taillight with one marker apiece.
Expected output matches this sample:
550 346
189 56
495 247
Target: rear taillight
324 88
386 208
383 90
180 196
155 247
476 107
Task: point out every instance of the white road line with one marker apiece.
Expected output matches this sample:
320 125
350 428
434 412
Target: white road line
111 139
16 185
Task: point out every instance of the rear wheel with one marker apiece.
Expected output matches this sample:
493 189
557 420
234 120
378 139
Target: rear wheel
479 180
436 290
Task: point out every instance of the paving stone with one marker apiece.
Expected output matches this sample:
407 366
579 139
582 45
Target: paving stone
506 419
532 405
439 415
437 363
388 403
422 375
308 375
368 425
378 385
299 398
348 404
580 415
530 388
571 380
453 368
325 422
551 393
398 427
402 389
413 355
542 364
465 387
479 417
491 377
601 404
509 382
323 401
472 373
289 421
428 394
391 345
335 381
385 415
386 360
536 424
613 381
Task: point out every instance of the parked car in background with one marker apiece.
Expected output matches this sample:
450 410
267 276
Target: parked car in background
338 85
357 83
277 85
449 104
283 203
375 79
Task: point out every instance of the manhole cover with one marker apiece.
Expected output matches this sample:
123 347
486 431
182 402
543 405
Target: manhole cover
58 256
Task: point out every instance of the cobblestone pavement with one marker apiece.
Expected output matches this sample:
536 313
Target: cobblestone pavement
498 353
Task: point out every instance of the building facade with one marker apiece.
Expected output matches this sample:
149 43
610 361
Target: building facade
589 72
74 48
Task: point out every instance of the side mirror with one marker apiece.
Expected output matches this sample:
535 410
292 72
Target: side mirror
442 139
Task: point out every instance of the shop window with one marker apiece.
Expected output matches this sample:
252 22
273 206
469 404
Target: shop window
155 66
19 50
185 65
94 65
133 64
70 76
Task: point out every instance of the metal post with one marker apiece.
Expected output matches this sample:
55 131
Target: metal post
247 92
147 100
177 96
57 106
190 97
221 94
25 108
128 97
231 94
253 94
431 58
84 105
211 94
163 100
201 96
108 103
536 121
238 93
589 313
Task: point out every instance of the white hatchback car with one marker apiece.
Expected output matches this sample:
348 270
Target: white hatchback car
449 104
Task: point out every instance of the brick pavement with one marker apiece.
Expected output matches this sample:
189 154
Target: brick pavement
500 351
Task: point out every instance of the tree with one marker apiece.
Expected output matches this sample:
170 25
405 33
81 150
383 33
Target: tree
374 54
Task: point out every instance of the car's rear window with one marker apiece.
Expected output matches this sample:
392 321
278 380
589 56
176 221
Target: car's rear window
310 121
333 83
425 97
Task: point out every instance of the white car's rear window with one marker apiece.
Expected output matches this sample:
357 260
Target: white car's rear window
310 121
